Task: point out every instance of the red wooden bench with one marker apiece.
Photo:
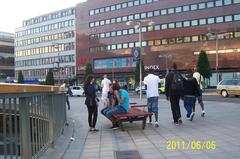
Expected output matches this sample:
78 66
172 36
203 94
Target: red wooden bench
133 114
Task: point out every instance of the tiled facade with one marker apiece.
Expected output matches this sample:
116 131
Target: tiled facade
180 30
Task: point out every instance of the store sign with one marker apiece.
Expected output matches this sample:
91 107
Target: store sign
154 67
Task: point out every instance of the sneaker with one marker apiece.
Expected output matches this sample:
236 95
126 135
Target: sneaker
115 127
203 113
191 116
180 120
188 118
156 124
149 122
176 123
95 130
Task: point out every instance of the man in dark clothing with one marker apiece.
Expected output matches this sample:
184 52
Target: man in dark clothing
191 89
173 84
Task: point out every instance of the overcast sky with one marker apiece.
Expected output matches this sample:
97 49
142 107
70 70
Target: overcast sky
13 12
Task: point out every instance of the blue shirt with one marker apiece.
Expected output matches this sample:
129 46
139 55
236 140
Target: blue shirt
124 94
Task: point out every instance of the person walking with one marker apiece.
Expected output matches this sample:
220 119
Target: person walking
105 88
91 101
191 90
174 90
152 81
199 79
68 91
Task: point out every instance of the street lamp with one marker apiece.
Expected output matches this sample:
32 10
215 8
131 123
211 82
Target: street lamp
138 25
166 62
56 64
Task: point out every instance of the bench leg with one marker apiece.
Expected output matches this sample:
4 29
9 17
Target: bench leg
120 124
144 123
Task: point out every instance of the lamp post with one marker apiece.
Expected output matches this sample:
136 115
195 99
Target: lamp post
138 25
166 62
57 63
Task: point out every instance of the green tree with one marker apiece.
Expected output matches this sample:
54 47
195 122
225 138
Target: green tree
203 65
50 78
137 71
20 77
88 69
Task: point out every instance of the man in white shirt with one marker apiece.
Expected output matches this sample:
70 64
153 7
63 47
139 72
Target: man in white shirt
105 88
152 81
199 79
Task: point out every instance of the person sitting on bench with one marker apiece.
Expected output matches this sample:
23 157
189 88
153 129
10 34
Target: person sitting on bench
123 104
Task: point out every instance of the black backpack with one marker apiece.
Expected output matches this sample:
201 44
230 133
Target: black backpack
177 82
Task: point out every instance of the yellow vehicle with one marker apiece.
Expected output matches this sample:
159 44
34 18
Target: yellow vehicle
229 87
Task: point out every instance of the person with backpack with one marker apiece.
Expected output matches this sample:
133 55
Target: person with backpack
199 79
191 90
174 91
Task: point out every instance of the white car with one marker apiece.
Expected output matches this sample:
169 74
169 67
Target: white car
77 91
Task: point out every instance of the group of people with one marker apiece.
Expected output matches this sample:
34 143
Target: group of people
116 100
188 88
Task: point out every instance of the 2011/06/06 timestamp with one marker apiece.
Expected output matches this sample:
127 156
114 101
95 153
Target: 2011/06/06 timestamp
193 145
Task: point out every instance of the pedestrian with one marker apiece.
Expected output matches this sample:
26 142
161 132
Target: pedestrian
191 90
105 88
152 81
91 101
200 81
174 91
123 104
65 86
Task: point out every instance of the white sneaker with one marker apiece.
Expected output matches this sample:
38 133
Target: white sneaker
203 113
156 124
191 116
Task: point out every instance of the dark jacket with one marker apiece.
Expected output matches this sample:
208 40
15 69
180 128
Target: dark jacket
168 82
191 87
90 93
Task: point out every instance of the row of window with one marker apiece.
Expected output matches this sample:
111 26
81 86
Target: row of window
163 12
46 28
45 61
171 25
46 38
42 73
114 63
120 6
51 16
157 42
45 49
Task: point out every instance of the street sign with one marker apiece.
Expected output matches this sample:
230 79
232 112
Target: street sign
136 51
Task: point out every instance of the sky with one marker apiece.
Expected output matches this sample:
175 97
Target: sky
13 12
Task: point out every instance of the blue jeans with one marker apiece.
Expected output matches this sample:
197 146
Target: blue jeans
188 104
152 104
116 110
105 110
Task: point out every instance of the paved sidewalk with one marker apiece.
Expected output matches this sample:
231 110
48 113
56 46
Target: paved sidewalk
215 136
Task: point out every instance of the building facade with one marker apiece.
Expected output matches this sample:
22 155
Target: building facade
181 29
47 42
6 56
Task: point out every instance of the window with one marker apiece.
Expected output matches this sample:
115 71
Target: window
124 5
210 20
101 10
236 1
237 34
107 34
187 39
171 25
142 1
91 12
130 4
150 43
202 21
201 5
149 14
163 12
91 24
210 4
228 18
203 38
102 35
102 22
156 13
131 31
130 17
144 43
113 47
113 33
119 19
119 33
193 7
91 50
144 29
178 9
131 45
218 3
186 23
164 26
219 19
171 41
143 15
179 40
185 8
195 38
125 32
137 44
164 41
170 10
125 45
113 8
96 11
157 27
194 22
124 19
178 24
119 6
107 9
149 1
157 42
136 3
137 16
113 20
119 46
237 17
227 2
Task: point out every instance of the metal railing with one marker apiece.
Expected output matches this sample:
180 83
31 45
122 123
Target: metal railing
31 117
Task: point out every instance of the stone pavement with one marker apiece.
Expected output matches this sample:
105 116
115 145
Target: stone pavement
216 136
